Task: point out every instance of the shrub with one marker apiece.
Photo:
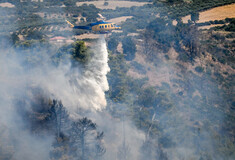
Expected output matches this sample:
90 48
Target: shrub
106 3
129 48
199 69
139 67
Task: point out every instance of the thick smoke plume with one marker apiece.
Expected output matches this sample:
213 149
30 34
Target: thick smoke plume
90 87
15 137
75 87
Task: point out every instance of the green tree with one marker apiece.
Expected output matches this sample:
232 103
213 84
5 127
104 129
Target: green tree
80 51
147 97
85 139
129 48
60 117
194 16
69 3
37 35
188 36
14 38
117 78
112 44
106 3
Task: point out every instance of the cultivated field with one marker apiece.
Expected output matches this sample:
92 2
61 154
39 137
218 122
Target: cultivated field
119 20
113 4
217 13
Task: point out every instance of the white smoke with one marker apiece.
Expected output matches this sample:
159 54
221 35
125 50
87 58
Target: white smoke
76 87
90 87
16 141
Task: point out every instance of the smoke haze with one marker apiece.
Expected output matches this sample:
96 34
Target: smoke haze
76 87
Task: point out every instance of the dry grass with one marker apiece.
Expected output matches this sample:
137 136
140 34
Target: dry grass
119 19
9 5
113 4
89 36
217 13
210 26
155 75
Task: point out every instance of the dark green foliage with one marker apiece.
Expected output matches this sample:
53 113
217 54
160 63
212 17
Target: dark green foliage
138 67
219 77
188 34
70 3
59 116
80 51
231 26
194 16
88 11
199 69
163 33
37 35
81 135
76 51
136 84
219 45
117 78
166 142
129 48
106 3
156 102
26 19
147 97
112 44
184 38
218 37
14 38
83 139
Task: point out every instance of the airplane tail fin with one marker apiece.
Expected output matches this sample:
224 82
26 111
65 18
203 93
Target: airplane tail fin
71 25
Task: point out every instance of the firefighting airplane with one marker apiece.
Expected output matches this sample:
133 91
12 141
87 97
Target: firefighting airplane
100 26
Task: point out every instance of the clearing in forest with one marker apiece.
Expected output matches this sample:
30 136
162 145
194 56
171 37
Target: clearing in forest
217 13
6 4
113 4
